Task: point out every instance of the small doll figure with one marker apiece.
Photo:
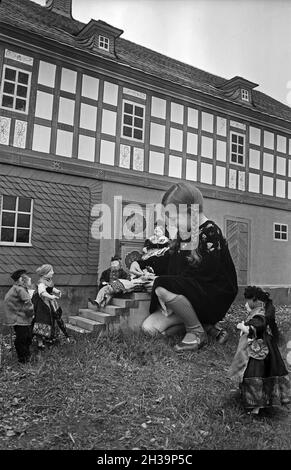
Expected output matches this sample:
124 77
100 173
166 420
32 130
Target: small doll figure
57 312
18 310
114 272
111 282
257 364
154 258
47 311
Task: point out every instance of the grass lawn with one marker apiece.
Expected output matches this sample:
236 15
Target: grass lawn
134 392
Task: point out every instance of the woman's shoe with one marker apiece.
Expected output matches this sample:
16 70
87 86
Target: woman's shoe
191 342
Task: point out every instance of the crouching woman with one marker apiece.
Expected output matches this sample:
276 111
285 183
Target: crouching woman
200 285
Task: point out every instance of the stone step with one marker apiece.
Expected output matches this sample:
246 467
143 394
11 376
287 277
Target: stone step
125 303
76 329
140 296
73 320
101 317
85 323
114 310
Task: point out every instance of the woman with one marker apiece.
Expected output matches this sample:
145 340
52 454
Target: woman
200 285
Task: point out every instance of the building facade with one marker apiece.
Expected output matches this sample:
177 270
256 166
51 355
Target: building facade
86 116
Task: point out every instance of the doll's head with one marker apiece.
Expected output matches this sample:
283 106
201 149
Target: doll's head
158 231
25 281
45 273
115 263
254 295
21 278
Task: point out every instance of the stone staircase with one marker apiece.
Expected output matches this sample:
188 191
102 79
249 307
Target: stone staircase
127 311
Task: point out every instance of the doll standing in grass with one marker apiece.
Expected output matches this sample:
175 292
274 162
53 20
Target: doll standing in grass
47 311
18 310
257 364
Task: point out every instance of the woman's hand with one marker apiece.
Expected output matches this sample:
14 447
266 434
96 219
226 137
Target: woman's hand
58 293
241 326
149 276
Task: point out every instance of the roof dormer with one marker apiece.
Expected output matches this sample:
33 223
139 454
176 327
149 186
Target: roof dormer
100 36
239 89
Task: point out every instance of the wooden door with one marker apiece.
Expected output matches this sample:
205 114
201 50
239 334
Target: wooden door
237 234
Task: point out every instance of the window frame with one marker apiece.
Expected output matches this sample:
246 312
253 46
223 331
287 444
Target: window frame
238 134
5 66
103 42
280 232
16 212
133 103
245 94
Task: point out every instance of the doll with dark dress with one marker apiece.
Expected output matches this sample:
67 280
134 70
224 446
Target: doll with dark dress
46 308
154 255
257 364
113 273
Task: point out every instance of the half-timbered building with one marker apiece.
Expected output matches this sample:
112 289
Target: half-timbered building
86 115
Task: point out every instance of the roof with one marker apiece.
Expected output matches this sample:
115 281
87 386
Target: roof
32 17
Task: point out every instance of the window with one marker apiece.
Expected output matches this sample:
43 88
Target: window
237 148
280 232
103 43
133 121
245 95
16 220
15 89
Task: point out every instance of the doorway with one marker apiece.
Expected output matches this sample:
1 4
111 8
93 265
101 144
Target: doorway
238 238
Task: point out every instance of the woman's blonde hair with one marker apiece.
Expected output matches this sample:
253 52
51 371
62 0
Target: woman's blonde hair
188 194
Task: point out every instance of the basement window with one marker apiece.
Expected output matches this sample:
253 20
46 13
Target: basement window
280 232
